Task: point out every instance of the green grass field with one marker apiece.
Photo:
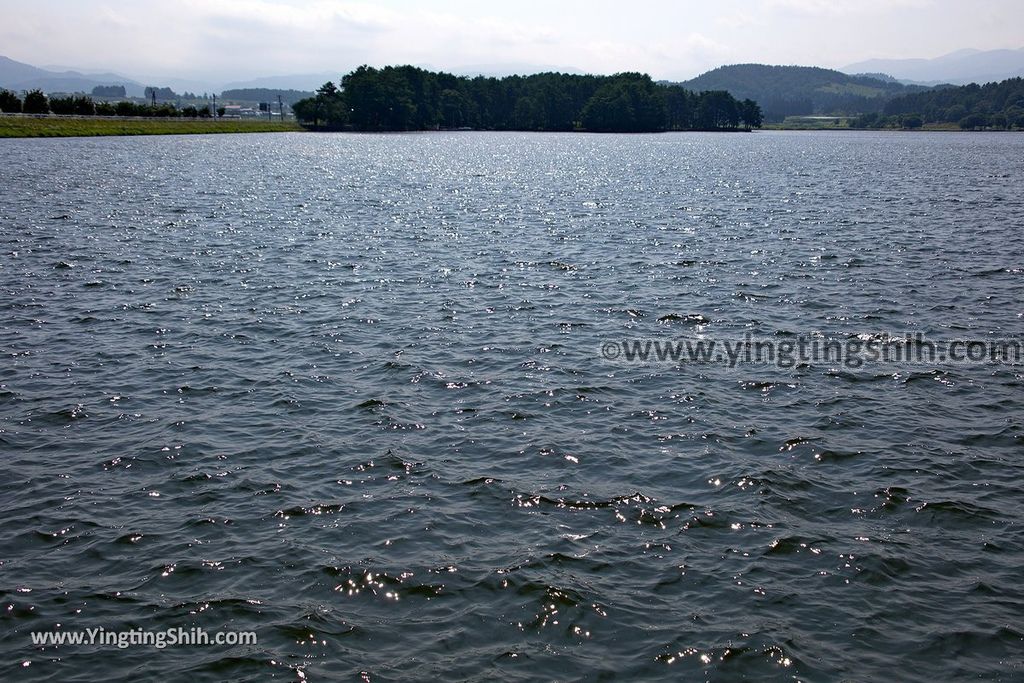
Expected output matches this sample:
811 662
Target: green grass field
810 123
27 127
843 123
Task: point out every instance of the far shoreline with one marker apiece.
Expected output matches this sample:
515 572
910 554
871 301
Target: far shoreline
22 127
847 129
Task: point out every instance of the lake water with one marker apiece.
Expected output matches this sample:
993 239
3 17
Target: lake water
347 391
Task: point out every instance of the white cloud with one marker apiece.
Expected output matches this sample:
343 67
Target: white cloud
839 8
317 17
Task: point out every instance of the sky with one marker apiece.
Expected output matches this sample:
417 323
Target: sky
220 40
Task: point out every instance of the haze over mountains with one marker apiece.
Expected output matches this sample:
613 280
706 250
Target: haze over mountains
960 67
20 76
312 81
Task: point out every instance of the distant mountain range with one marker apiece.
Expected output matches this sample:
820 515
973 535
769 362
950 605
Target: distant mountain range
315 80
293 82
802 90
19 76
502 69
960 67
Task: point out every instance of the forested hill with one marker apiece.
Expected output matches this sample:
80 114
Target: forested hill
993 105
410 98
801 90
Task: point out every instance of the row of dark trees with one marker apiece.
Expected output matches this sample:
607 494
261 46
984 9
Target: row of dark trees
409 98
36 102
109 91
993 105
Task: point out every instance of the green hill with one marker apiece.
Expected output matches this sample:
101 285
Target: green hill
801 90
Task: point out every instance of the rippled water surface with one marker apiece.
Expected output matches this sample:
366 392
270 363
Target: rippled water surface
346 391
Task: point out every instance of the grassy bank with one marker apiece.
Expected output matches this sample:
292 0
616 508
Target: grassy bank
843 123
28 127
811 123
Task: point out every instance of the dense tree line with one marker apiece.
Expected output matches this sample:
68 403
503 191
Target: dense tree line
36 102
410 98
73 104
161 93
993 105
109 91
9 102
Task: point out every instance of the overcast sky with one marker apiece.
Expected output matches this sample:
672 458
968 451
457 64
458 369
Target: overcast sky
239 39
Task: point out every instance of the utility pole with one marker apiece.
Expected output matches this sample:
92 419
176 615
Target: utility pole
280 107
